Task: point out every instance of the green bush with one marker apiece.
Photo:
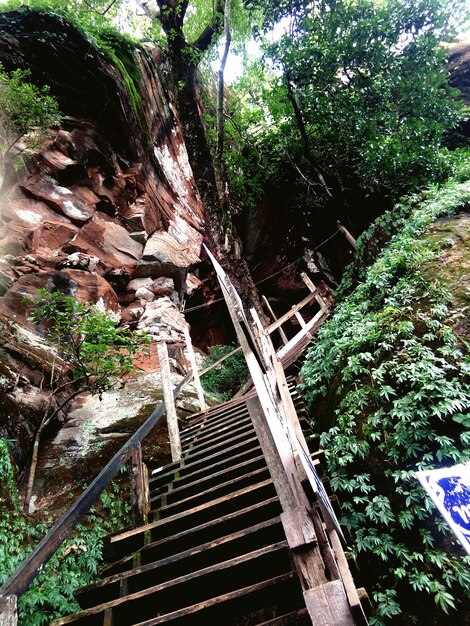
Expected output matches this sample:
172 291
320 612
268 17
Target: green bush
388 382
228 377
76 562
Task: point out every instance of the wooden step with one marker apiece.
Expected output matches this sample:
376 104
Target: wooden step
201 556
178 490
296 618
196 535
210 442
237 418
192 466
193 588
123 543
243 606
220 445
220 412
223 430
187 503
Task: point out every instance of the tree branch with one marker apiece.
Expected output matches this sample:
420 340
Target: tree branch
207 36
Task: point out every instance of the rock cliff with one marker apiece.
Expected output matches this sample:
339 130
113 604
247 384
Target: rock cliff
105 208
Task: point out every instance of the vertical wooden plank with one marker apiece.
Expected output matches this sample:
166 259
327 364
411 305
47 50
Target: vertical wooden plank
274 318
313 288
347 234
137 485
8 614
300 319
192 360
171 417
348 581
327 605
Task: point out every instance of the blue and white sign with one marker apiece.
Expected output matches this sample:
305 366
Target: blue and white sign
449 488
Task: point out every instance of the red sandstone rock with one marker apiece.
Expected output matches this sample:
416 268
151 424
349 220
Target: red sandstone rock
78 205
104 238
84 286
163 255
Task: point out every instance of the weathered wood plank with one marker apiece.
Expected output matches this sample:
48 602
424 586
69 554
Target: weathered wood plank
347 234
295 342
219 361
233 595
138 485
313 288
163 587
328 606
191 552
272 327
346 576
171 417
192 360
167 520
281 332
8 613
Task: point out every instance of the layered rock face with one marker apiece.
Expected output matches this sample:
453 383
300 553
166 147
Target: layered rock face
106 209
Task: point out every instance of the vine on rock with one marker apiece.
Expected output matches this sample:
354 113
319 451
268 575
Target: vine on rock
388 381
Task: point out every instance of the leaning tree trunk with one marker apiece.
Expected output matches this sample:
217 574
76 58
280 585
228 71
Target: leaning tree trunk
219 228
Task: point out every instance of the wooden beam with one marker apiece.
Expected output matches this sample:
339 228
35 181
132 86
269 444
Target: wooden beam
8 614
26 572
219 361
300 319
290 313
314 289
310 326
271 312
346 576
347 234
192 360
327 605
138 489
171 417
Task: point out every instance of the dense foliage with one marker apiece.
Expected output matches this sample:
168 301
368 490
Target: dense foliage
388 384
229 376
348 106
75 564
25 109
90 340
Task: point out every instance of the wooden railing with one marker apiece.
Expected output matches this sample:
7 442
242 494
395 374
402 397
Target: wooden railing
17 584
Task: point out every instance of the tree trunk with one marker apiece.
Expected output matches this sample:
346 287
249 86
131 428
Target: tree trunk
219 228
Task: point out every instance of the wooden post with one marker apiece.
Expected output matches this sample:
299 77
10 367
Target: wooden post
347 234
8 614
271 312
171 417
138 488
313 288
192 360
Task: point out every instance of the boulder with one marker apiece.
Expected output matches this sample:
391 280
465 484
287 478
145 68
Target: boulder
76 203
144 294
164 255
106 239
163 286
83 286
163 321
137 283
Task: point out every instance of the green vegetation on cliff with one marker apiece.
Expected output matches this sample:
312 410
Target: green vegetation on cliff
388 386
75 564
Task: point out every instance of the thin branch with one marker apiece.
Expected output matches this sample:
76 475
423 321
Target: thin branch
221 85
90 6
205 39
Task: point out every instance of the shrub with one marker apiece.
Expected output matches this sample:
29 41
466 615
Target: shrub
228 377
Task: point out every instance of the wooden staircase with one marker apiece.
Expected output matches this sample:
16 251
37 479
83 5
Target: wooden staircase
214 550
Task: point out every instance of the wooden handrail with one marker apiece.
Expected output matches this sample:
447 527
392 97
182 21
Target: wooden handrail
27 571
